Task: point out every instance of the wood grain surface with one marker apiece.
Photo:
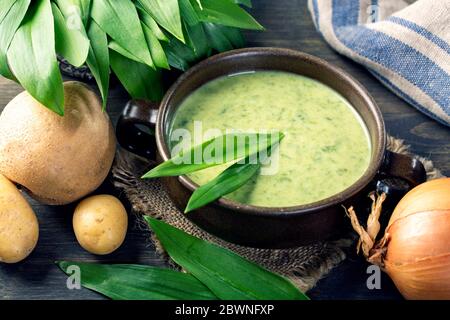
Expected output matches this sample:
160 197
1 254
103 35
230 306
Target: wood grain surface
288 25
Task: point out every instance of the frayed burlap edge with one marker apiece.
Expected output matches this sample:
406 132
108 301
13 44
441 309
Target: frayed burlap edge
303 265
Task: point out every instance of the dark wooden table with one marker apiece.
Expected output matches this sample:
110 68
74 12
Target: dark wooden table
288 25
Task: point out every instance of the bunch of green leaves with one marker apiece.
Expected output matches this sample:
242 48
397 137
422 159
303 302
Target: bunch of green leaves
133 39
250 149
212 272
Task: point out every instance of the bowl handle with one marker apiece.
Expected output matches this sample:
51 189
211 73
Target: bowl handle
404 167
136 128
399 173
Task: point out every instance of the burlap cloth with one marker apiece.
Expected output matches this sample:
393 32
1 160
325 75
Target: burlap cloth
303 265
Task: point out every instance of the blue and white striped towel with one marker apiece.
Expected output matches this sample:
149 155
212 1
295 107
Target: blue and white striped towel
405 45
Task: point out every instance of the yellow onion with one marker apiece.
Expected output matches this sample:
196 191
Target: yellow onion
415 249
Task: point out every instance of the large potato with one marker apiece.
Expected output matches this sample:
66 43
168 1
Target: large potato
100 224
19 229
58 159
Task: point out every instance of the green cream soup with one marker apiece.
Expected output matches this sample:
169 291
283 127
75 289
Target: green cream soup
326 146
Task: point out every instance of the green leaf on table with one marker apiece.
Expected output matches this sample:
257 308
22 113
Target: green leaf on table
226 13
166 13
138 282
226 274
71 43
151 23
76 12
226 182
188 12
120 20
156 50
11 14
213 152
98 59
140 81
32 57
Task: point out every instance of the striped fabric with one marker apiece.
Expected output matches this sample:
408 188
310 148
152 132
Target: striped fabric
405 44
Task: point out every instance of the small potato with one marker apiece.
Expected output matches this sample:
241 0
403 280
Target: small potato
19 228
100 224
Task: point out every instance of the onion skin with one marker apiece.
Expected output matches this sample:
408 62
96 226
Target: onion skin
431 195
416 251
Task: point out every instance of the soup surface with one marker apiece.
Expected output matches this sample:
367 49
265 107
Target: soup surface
326 146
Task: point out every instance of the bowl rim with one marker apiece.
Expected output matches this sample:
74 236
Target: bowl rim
289 211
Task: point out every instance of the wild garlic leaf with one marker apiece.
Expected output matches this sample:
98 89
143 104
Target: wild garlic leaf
226 148
232 34
139 282
226 13
151 23
120 20
166 13
199 2
11 14
186 161
156 50
176 60
76 12
226 274
140 81
179 55
71 43
188 13
217 40
113 45
235 176
226 182
98 59
4 9
247 3
32 57
196 39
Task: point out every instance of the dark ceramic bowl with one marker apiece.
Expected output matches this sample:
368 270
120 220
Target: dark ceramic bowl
263 226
